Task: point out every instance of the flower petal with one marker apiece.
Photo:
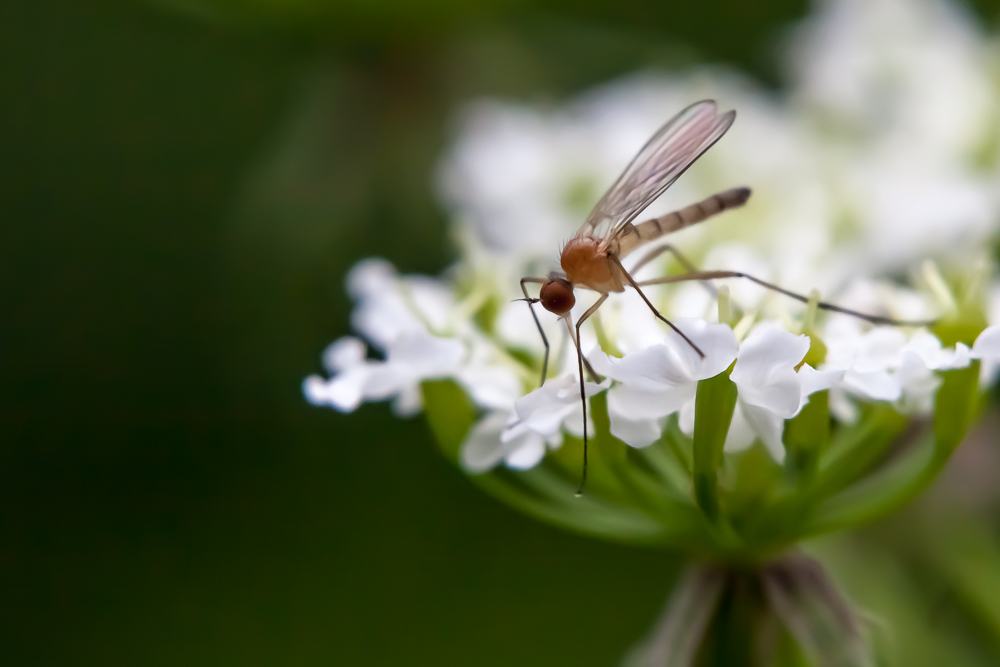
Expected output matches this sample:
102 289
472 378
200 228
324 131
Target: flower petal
878 386
486 445
344 392
545 409
842 407
928 349
685 419
636 433
918 384
482 448
525 452
769 346
765 370
879 349
674 362
814 380
768 426
782 394
653 369
490 386
740 435
343 353
987 345
716 341
636 404
426 356
408 402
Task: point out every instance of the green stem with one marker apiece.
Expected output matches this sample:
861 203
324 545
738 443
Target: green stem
714 406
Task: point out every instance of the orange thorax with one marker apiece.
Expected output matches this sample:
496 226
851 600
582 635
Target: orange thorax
587 263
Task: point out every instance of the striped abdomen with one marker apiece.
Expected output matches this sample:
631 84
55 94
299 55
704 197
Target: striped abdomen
637 235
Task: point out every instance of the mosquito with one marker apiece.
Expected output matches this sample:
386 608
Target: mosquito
592 259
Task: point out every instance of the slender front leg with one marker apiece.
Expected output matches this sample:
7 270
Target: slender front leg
573 336
670 324
583 393
545 341
713 275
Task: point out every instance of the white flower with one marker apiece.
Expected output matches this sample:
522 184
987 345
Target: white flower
345 358
411 358
484 447
774 385
519 438
662 379
389 306
883 365
915 73
909 88
770 389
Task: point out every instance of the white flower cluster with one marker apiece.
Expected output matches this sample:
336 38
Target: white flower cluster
880 155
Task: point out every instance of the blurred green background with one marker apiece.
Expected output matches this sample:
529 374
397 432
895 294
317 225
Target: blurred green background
183 186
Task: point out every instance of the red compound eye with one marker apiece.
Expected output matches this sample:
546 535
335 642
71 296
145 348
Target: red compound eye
557 296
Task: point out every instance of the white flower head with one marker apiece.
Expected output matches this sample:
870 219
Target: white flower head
869 163
883 364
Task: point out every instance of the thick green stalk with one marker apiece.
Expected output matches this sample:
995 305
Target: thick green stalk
714 406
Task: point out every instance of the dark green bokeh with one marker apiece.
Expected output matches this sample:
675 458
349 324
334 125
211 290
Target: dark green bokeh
180 200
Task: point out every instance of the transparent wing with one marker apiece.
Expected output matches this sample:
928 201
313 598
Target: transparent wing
663 159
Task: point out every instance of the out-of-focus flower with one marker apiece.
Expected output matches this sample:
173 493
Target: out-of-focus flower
881 364
410 359
906 91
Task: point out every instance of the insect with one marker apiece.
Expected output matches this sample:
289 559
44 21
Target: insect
592 259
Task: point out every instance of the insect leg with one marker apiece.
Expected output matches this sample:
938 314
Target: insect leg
583 393
670 324
712 275
545 341
656 252
681 259
575 336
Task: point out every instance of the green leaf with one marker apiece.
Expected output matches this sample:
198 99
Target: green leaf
807 436
954 407
896 484
547 492
714 406
965 551
752 477
449 413
857 448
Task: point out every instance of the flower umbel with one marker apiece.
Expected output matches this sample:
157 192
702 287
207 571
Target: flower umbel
781 426
791 422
